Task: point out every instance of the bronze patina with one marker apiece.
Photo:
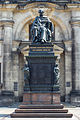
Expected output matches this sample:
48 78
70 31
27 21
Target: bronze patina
42 29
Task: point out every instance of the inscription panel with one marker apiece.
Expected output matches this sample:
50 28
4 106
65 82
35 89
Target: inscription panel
40 49
41 77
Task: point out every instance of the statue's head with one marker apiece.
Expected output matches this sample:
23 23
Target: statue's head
56 65
41 13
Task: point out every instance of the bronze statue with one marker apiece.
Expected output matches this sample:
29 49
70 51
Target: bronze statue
42 29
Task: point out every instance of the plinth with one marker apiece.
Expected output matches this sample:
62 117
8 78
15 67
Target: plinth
40 89
41 97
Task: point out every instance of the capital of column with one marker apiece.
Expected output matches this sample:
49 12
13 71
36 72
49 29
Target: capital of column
75 19
6 23
68 45
75 23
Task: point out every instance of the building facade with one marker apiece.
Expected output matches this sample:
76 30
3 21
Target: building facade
16 17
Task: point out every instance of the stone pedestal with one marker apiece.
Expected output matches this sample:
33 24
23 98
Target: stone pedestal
41 88
41 98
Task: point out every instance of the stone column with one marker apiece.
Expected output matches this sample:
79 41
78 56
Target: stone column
75 22
0 32
17 70
68 70
0 54
18 74
7 57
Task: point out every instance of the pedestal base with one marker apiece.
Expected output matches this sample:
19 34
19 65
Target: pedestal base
75 97
41 98
41 111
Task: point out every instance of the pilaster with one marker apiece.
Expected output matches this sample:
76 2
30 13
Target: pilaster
75 22
68 70
0 33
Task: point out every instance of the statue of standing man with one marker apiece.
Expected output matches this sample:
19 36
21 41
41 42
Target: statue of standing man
42 29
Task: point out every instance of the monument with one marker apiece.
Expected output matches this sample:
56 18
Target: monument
41 96
42 87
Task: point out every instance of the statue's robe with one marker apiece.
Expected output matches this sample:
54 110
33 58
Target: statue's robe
42 29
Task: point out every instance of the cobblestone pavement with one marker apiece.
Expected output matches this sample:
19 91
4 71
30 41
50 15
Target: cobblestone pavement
6 111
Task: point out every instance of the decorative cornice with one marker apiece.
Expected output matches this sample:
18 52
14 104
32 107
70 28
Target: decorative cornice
73 5
75 22
1 40
30 1
8 7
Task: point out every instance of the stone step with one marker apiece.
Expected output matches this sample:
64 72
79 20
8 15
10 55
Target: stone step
41 115
57 106
41 111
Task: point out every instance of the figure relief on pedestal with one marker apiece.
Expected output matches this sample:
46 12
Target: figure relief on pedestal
42 29
56 74
26 76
